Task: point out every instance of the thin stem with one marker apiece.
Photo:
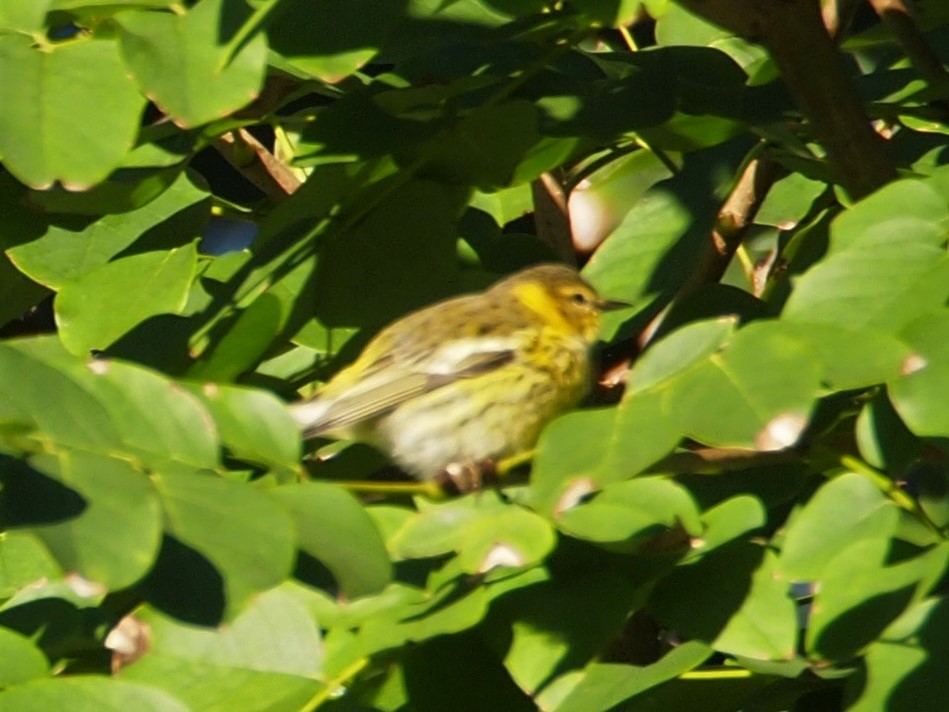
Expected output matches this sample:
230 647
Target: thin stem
658 153
747 264
333 685
722 673
888 487
627 38
252 26
430 490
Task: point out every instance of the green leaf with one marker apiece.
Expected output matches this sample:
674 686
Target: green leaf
765 627
432 683
848 509
70 113
28 382
655 248
268 655
20 660
598 204
156 418
679 351
242 533
242 346
17 292
552 626
859 596
851 358
484 531
788 201
23 562
88 693
484 148
918 395
627 513
102 305
929 336
98 4
449 610
678 26
733 600
874 221
883 439
345 41
254 425
87 498
372 252
106 406
881 288
511 537
644 432
906 666
23 15
178 60
335 529
728 520
612 13
884 267
568 457
602 686
767 409
918 400
69 248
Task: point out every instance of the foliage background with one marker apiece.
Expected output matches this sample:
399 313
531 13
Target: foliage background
208 206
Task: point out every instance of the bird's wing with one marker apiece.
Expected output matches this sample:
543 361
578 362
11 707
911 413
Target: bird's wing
387 383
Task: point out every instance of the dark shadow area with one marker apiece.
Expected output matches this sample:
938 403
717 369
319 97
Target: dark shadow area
698 601
58 628
185 585
862 624
441 674
312 572
926 687
160 342
30 498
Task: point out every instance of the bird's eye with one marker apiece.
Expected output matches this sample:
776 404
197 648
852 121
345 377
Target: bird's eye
579 298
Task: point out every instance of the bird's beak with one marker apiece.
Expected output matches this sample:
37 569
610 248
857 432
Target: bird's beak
611 305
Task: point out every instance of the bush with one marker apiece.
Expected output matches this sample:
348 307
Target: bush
209 206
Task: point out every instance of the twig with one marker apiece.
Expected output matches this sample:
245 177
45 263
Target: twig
736 215
551 217
794 33
263 170
837 15
712 460
899 20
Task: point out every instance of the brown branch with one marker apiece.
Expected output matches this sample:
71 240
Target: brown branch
735 217
713 460
899 21
258 165
837 15
551 218
793 32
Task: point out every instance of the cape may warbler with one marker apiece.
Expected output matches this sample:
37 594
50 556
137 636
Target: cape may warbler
467 381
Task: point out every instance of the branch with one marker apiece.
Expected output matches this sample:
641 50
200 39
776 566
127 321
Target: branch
262 169
735 217
551 218
704 461
898 19
794 33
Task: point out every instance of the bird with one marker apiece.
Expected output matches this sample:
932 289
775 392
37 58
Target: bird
453 388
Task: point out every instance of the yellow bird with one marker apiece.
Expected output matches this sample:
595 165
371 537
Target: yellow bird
453 388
